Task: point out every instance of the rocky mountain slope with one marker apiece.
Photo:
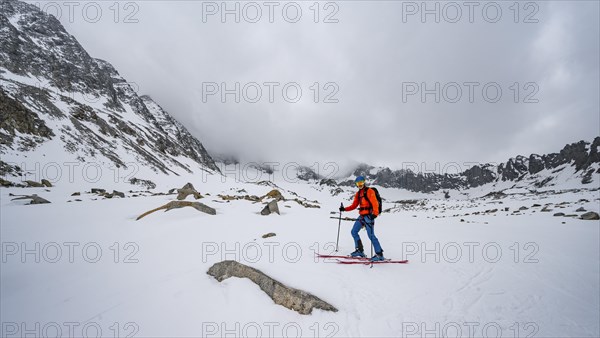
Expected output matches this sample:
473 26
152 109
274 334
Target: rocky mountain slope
581 162
57 100
577 164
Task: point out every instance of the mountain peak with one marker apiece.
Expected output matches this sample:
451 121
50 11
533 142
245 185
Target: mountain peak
57 96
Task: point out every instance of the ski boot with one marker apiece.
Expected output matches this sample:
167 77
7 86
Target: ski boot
358 254
378 257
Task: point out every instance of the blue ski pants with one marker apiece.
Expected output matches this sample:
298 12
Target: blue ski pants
369 224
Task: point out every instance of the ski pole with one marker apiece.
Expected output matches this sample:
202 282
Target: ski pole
372 226
372 231
339 223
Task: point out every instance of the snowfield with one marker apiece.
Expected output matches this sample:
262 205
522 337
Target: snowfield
88 268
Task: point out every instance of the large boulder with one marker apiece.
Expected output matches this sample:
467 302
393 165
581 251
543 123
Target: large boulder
187 190
293 299
270 208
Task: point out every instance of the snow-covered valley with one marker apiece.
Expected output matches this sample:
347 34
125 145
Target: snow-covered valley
89 265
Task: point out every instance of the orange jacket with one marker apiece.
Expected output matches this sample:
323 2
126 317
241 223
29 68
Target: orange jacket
364 204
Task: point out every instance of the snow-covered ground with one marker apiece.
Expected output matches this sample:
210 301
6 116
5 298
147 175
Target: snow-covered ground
87 267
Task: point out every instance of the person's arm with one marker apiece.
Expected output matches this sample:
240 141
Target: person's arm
373 199
353 205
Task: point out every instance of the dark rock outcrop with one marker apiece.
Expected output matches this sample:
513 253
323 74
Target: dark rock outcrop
307 174
92 104
142 183
590 215
581 155
35 199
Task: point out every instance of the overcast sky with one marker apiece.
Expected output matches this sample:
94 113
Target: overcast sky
373 55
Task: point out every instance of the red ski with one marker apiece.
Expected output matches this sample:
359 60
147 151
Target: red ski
368 262
343 257
359 260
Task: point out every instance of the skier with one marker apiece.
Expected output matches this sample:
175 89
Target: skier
366 200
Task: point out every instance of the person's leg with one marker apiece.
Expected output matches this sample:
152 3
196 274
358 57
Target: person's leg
355 229
370 225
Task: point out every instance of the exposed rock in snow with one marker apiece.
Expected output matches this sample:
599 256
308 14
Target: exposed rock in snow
293 299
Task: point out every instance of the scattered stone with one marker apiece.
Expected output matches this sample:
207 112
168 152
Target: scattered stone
590 216
270 208
98 191
580 209
546 209
306 204
270 234
536 205
251 198
407 202
571 215
559 214
46 183
76 194
180 204
462 220
293 299
118 193
35 199
34 184
523 208
506 209
5 183
187 190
